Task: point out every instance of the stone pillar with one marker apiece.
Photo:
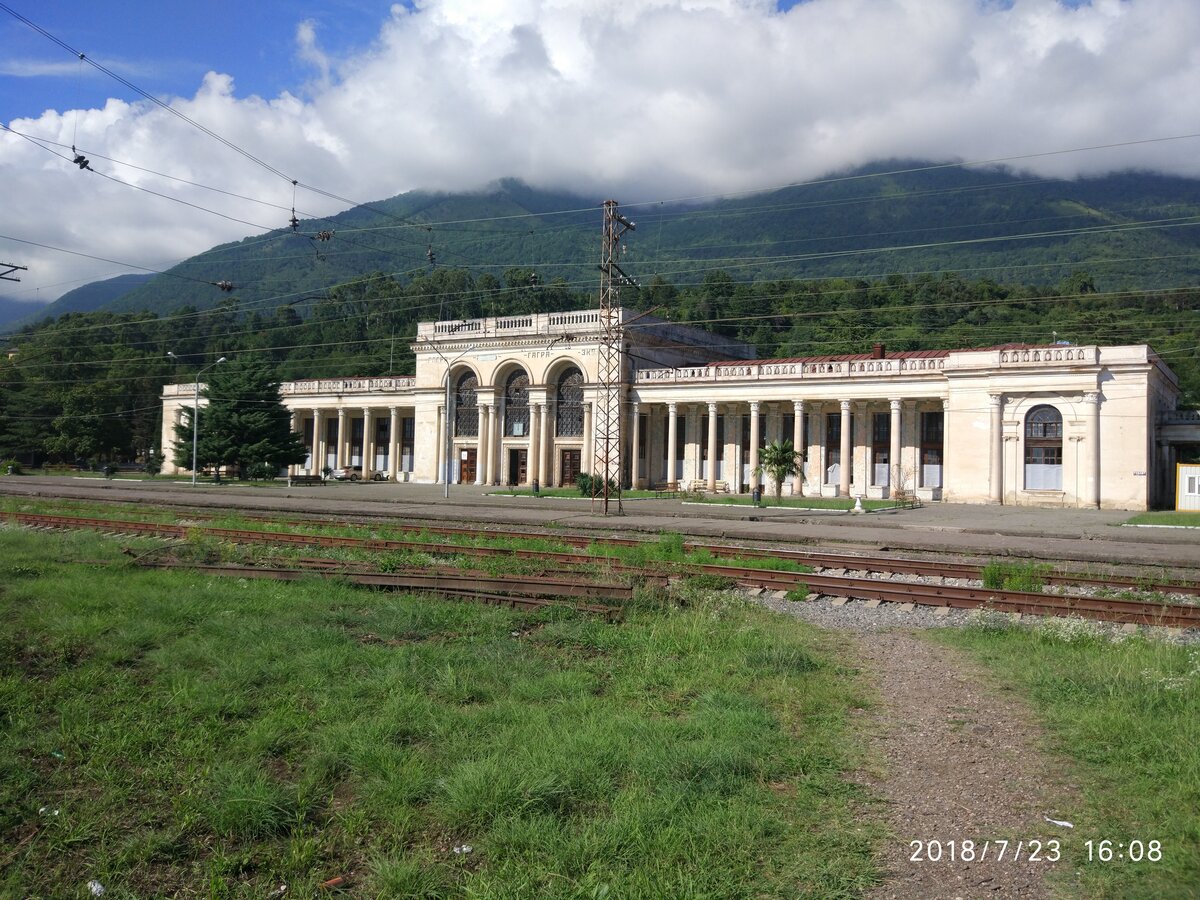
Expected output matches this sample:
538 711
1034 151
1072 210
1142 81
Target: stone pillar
341 439
441 472
368 447
1091 410
711 474
588 463
635 444
297 427
546 464
755 478
798 445
894 464
483 445
997 444
394 443
535 443
672 440
319 450
496 444
847 453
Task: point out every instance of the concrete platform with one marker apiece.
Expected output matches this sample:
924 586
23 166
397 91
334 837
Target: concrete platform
1083 534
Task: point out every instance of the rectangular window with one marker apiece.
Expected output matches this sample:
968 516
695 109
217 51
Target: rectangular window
881 448
932 432
408 432
833 448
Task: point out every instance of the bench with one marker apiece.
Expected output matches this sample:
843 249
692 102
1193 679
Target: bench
302 480
700 486
665 489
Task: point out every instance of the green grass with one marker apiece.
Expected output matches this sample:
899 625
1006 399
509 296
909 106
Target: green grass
843 503
1167 517
1007 575
1126 715
219 737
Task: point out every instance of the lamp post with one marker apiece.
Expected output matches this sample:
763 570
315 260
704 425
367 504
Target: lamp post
196 411
448 443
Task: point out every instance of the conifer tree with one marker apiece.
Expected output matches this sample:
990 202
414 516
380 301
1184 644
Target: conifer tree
245 423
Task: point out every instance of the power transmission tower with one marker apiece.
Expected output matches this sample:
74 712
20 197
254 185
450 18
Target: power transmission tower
606 442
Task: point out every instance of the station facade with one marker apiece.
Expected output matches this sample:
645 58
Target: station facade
1057 425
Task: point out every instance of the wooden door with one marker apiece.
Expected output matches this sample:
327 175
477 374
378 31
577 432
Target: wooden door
572 462
466 474
518 466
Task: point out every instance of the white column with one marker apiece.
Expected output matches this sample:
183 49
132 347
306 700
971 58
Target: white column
798 445
535 443
298 427
368 447
546 464
440 473
483 446
894 464
711 474
672 440
847 453
341 438
1091 408
588 463
394 443
997 443
635 443
496 443
755 479
319 450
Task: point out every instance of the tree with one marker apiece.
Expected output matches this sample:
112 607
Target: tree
245 423
779 459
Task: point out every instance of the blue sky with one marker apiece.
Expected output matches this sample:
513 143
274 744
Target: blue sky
166 47
637 100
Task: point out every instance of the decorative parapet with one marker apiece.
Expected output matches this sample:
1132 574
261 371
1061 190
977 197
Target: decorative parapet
1179 417
769 371
1050 355
346 386
180 390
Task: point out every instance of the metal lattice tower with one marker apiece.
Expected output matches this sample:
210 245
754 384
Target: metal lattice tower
606 441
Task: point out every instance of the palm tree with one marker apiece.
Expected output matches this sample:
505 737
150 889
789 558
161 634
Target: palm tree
778 460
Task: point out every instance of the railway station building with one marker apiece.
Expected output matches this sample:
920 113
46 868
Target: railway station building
1056 425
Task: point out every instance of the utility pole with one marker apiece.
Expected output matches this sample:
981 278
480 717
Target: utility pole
9 268
606 442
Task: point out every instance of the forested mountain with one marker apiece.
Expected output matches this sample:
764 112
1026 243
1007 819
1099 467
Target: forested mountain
92 296
1129 230
11 311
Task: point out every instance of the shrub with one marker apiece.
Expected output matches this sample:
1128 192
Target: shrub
592 485
10 466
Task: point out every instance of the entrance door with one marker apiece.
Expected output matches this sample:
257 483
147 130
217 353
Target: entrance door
572 463
518 466
466 472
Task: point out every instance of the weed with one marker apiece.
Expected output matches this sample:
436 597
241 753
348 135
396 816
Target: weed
1002 575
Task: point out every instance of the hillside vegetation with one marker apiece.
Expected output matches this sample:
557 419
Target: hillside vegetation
87 386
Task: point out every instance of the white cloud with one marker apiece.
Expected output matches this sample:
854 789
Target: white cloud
652 99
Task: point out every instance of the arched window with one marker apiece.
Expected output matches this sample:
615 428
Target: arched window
516 405
1043 449
568 413
466 406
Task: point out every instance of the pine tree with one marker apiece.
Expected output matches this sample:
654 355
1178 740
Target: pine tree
245 423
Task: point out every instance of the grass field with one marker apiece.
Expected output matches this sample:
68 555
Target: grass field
1126 715
166 733
1167 517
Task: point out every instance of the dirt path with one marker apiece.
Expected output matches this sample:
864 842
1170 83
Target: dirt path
961 763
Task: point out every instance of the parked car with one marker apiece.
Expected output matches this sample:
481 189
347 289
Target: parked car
348 473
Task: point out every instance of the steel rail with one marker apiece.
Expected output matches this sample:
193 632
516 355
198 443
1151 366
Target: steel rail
1121 610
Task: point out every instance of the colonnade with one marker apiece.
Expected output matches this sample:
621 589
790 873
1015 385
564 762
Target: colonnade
341 453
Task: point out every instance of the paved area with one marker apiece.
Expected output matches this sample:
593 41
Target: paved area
1084 534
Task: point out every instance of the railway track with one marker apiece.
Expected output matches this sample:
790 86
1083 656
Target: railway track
1141 612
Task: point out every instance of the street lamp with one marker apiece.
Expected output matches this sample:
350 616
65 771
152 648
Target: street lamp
196 411
449 443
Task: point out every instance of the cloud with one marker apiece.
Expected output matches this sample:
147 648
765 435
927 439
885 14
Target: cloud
655 99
